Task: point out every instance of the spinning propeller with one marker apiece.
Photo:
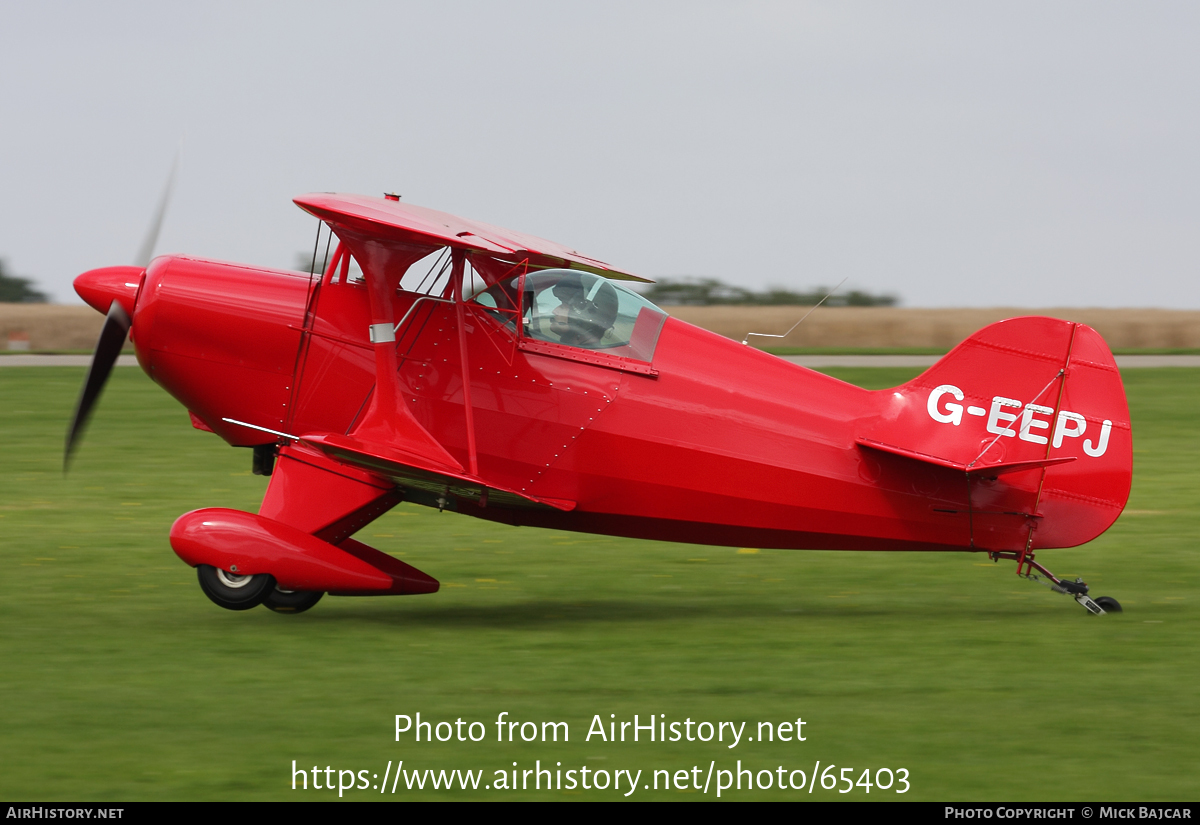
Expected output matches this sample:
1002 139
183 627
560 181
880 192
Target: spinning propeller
95 286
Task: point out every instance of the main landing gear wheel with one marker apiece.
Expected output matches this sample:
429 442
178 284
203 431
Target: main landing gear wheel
291 601
1109 604
231 591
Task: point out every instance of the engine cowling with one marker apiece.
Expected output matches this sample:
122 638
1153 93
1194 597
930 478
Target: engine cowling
222 338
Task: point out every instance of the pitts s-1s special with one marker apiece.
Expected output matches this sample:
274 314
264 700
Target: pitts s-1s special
466 367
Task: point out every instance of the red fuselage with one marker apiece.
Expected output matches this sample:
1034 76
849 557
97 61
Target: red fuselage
715 443
456 364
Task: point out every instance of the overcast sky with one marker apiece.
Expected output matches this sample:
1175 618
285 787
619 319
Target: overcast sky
955 154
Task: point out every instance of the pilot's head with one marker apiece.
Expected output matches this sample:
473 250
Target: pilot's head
580 320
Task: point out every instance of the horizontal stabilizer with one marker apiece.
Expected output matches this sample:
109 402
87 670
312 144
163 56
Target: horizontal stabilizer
978 468
411 472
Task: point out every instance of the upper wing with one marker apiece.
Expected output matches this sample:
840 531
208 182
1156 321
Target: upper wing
391 220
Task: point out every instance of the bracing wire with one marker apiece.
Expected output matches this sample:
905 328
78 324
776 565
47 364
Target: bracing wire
328 240
436 261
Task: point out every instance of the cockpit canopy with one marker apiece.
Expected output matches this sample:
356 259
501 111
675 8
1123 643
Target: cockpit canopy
576 309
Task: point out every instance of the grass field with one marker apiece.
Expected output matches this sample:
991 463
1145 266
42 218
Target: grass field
119 680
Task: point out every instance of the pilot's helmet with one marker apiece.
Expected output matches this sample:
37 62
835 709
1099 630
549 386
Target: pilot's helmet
592 316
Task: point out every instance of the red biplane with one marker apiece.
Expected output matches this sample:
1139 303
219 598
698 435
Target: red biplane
466 367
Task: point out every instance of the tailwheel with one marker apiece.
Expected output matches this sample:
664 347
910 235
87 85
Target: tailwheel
231 590
291 601
1077 589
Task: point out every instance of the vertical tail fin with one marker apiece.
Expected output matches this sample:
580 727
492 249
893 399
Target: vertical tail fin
1033 412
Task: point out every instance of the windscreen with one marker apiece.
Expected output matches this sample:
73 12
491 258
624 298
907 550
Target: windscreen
578 309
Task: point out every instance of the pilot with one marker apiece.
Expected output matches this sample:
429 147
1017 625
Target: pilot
579 321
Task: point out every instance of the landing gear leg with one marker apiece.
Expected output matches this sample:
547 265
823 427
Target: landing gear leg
1077 589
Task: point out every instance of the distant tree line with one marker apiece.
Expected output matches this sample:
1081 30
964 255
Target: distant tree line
710 292
14 290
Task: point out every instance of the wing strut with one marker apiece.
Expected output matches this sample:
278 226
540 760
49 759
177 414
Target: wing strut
388 420
456 277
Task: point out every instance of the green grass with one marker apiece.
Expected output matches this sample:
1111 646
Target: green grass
120 681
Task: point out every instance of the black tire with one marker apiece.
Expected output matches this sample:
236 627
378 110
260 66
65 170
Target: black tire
291 601
231 591
1109 604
